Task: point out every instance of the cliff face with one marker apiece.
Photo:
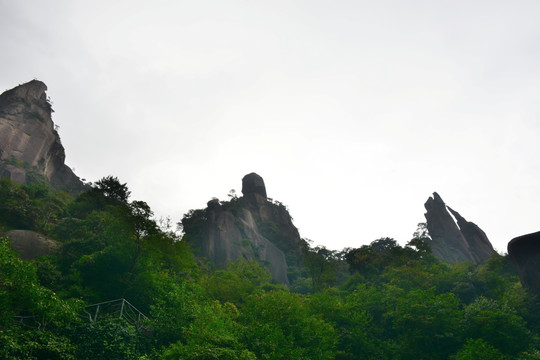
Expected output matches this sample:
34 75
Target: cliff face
28 136
452 242
524 251
250 227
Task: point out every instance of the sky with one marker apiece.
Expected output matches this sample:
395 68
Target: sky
353 112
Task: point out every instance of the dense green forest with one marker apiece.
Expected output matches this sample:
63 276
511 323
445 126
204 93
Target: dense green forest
379 301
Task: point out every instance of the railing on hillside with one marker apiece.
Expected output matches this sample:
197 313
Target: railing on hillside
23 321
120 308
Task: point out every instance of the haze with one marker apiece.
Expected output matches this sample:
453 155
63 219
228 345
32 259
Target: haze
353 112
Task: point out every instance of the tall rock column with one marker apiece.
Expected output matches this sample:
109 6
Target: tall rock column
27 135
250 227
452 242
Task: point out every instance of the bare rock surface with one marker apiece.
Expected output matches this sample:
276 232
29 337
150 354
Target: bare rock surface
253 186
250 227
30 244
28 135
451 241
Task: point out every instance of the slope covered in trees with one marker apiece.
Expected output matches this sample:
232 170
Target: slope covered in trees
379 301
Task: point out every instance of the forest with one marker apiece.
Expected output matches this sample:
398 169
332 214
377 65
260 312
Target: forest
378 301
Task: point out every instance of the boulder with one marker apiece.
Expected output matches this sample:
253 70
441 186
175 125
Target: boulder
30 244
253 184
524 252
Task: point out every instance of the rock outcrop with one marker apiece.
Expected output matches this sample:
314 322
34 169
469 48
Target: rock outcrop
30 244
249 227
28 137
452 242
524 252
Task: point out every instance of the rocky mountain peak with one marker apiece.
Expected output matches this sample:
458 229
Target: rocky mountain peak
32 91
454 240
249 227
29 140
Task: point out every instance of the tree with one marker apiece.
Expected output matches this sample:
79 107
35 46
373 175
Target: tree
112 188
213 335
321 264
497 324
22 295
280 325
425 324
352 316
478 349
241 279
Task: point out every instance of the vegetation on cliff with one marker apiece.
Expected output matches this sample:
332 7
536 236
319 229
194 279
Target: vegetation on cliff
379 301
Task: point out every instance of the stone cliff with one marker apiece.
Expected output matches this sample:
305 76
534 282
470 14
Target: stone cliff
250 227
451 241
524 251
28 139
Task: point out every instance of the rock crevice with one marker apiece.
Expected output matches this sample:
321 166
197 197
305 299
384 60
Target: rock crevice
454 240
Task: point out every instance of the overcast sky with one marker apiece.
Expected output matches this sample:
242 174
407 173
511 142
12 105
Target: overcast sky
353 112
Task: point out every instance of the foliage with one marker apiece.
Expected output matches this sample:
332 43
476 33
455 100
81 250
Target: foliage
322 265
40 313
212 335
280 325
241 279
478 349
108 339
379 301
497 324
112 188
30 207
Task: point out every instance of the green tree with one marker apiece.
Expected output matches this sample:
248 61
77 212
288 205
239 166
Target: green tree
174 310
425 325
353 316
22 298
321 265
212 335
280 325
497 324
108 339
478 349
241 279
112 188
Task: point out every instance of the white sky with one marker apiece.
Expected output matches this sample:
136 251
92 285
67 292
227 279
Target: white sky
353 112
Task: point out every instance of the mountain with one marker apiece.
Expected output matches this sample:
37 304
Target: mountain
29 141
455 240
251 227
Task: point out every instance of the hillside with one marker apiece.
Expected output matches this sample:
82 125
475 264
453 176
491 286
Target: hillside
103 279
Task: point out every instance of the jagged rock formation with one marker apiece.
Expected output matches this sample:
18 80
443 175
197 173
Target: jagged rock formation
524 251
250 227
452 242
30 244
28 136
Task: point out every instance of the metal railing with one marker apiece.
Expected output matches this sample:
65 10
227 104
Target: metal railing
120 308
